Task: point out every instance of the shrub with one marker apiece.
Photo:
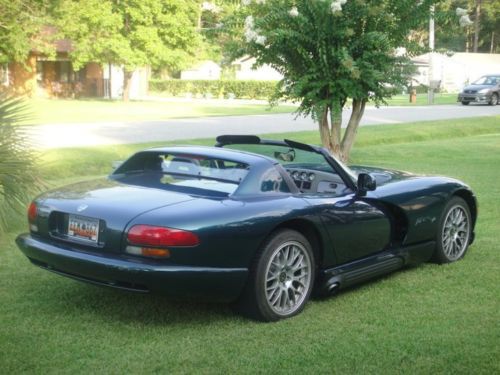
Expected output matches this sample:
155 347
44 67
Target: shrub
18 173
248 89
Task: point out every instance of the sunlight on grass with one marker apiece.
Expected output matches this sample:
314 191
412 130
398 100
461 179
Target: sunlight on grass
426 319
46 111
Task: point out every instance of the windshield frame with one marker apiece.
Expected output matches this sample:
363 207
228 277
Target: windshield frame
348 176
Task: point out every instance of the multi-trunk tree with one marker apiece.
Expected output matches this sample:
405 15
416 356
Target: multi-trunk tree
333 53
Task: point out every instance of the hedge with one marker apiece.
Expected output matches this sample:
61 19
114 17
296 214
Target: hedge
239 89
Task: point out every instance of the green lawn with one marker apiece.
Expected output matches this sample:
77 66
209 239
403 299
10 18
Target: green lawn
47 111
439 98
427 319
55 111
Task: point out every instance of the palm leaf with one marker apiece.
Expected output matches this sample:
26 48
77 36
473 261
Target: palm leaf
18 172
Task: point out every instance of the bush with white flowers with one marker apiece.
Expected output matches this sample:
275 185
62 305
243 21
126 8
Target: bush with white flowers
331 52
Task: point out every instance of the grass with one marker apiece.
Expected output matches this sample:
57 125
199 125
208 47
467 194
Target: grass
439 99
56 111
427 319
46 111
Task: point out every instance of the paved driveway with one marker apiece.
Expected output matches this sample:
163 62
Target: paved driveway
74 135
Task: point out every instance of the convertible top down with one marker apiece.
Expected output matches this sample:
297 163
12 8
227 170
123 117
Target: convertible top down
262 223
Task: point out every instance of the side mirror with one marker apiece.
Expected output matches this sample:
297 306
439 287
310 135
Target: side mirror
366 182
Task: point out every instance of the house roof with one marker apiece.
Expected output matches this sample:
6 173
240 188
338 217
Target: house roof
47 34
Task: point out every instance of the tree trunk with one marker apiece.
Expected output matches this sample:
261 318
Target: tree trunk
358 109
330 122
477 25
127 78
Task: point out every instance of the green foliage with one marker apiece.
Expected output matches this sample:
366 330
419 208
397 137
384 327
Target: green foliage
451 36
241 89
18 174
327 57
130 33
20 25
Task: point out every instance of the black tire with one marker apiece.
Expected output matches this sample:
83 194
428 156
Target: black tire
493 99
452 240
465 103
255 300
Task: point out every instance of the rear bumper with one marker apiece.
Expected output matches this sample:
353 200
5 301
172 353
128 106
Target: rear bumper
474 98
222 284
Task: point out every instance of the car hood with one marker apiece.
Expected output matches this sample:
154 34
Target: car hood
478 87
384 176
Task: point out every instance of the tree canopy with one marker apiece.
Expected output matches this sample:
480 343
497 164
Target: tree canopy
132 33
21 22
332 52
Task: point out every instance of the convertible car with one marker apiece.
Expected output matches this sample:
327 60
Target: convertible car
258 222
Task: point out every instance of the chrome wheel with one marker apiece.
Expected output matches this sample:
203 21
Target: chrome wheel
288 278
455 234
494 99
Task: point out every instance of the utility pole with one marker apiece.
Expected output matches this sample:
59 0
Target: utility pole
477 24
430 90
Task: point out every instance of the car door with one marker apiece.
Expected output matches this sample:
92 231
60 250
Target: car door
356 227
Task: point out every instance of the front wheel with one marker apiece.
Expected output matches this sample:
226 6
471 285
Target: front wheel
454 231
281 278
494 99
465 103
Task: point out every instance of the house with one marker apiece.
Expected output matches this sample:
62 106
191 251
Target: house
54 76
207 69
455 70
244 70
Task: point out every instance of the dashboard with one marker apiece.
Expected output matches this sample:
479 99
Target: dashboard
312 181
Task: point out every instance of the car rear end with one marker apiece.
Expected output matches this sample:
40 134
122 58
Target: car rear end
92 236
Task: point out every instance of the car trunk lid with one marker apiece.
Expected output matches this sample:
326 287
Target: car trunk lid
93 214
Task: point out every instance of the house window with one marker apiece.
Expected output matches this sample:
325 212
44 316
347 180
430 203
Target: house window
64 71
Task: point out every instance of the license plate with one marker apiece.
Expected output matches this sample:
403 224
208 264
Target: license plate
83 228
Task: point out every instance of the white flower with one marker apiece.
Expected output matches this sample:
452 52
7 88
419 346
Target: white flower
219 25
260 1
246 2
342 2
249 23
461 12
209 7
465 21
294 12
400 51
261 39
336 7
250 35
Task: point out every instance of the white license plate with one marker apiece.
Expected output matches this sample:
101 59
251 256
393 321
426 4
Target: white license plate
83 228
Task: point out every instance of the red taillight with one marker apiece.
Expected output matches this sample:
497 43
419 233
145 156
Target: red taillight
160 236
32 212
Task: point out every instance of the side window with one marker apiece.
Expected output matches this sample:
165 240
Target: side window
272 182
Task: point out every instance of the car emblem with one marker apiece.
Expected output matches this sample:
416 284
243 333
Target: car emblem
82 207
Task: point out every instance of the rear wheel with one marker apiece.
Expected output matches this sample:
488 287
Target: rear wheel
494 99
465 103
281 278
454 232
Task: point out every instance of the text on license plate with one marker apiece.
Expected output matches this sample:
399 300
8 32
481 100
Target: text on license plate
83 228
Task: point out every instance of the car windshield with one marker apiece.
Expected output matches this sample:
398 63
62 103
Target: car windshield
290 157
178 171
487 80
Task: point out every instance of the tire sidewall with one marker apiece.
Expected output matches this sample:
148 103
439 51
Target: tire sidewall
440 256
268 249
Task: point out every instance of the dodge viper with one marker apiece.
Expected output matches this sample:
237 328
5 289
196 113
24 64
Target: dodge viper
261 223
